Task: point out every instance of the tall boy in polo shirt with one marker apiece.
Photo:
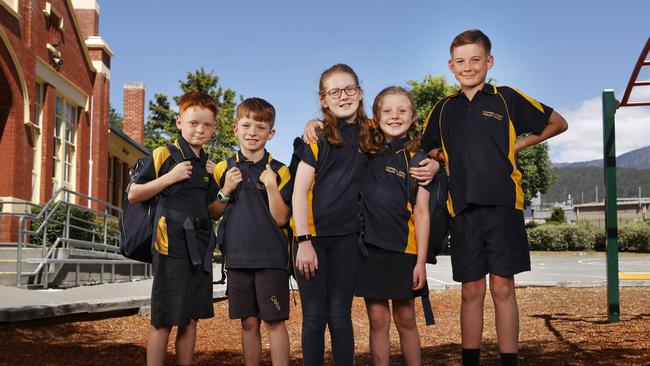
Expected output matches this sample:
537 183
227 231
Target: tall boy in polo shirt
255 246
475 131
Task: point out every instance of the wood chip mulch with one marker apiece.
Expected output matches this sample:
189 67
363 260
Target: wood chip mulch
559 326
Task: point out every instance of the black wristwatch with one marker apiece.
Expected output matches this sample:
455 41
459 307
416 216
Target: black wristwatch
301 238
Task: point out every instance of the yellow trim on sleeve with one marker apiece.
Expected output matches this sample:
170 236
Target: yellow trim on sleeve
530 100
162 241
160 154
314 150
219 171
411 245
285 177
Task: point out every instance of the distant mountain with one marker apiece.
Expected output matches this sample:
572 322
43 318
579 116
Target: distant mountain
635 159
581 183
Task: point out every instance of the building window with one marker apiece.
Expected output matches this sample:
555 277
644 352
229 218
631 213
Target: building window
36 159
65 137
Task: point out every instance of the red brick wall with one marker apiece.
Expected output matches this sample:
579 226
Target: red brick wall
88 21
133 124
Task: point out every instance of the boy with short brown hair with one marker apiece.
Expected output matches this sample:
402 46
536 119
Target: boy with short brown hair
255 189
475 131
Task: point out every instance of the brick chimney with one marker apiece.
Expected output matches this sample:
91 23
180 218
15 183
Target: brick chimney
133 123
87 14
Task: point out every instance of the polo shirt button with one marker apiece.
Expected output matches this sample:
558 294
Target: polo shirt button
248 180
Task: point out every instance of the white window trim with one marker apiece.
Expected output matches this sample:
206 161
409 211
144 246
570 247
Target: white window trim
11 6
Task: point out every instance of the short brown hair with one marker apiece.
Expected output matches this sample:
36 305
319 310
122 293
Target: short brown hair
471 36
257 109
197 99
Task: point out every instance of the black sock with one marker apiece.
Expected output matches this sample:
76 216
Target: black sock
471 356
509 359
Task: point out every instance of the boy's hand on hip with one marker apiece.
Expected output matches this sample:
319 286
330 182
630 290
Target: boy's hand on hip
306 260
181 171
233 178
310 134
268 177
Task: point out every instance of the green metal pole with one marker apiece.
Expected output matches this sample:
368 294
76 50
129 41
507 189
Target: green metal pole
611 230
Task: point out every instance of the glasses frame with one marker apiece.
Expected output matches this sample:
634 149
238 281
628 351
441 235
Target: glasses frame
336 93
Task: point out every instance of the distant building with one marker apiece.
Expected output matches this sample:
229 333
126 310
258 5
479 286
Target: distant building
629 209
54 102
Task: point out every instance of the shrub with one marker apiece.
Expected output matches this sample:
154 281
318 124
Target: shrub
559 237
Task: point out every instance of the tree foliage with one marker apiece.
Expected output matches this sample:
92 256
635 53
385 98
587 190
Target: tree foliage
533 161
535 166
161 128
115 119
427 92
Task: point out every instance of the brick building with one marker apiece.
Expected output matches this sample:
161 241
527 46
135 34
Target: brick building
54 102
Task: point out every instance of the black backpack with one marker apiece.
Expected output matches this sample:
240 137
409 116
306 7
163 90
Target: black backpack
438 214
139 221
232 162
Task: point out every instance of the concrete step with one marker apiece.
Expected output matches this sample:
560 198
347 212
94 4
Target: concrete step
10 253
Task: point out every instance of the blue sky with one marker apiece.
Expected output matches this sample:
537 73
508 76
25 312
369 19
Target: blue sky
563 53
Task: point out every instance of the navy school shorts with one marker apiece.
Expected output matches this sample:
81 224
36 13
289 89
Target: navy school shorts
488 239
262 293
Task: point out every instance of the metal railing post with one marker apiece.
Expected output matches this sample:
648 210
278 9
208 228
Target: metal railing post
19 251
611 226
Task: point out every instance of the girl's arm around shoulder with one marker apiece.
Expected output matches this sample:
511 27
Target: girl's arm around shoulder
422 225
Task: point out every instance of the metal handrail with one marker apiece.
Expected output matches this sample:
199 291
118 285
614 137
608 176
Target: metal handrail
50 214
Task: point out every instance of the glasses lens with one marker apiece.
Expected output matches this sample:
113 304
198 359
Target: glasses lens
335 93
351 90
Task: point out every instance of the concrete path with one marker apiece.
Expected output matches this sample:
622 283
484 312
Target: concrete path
548 269
564 269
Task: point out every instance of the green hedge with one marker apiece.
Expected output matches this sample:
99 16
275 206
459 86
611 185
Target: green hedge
632 237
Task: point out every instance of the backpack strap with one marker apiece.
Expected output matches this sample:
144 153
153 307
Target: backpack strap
411 184
221 229
160 205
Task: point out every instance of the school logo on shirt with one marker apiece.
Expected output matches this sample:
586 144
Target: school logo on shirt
494 115
399 173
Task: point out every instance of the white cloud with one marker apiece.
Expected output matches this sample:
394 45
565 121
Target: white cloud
584 139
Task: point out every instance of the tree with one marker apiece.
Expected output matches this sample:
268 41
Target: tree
161 128
114 118
535 166
557 216
533 161
428 92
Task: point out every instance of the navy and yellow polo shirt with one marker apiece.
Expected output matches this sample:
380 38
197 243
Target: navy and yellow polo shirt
252 238
477 138
190 198
388 217
333 199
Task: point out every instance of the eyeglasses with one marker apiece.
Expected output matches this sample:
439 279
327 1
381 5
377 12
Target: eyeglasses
350 90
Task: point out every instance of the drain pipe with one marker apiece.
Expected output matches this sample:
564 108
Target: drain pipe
90 148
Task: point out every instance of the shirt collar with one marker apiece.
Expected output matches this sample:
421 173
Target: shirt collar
340 123
487 89
266 159
187 152
398 144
